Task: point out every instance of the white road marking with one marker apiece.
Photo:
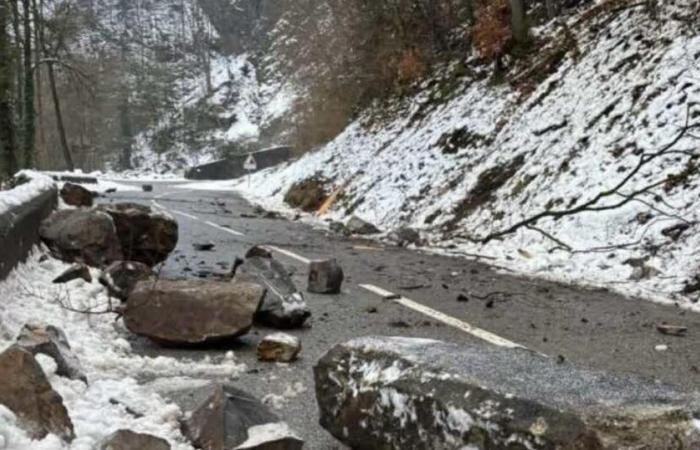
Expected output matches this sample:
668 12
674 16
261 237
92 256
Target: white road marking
224 229
442 317
288 253
184 214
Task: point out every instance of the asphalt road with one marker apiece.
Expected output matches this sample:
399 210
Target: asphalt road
589 328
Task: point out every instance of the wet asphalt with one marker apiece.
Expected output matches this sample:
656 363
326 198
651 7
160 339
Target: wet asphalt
588 328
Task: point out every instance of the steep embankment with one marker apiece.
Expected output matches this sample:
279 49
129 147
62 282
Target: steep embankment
467 157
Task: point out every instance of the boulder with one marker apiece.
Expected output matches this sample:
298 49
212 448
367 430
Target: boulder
27 393
120 277
86 236
192 312
358 226
325 277
284 306
397 393
221 417
405 236
129 440
279 347
307 195
146 236
147 188
74 272
76 195
52 341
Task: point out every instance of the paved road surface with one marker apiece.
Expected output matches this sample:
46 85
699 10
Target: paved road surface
593 328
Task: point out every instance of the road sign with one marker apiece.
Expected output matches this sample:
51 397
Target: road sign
250 164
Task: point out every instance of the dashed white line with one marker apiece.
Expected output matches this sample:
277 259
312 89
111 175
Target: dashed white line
289 254
442 317
224 229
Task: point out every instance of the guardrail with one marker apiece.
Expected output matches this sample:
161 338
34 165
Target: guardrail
235 166
20 220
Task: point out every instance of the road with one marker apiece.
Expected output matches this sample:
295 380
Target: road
590 328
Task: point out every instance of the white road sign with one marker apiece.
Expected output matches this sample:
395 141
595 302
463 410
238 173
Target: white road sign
250 164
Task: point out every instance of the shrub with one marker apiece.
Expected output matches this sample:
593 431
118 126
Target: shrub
492 34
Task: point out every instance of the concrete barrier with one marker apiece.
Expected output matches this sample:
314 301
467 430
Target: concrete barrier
233 167
19 227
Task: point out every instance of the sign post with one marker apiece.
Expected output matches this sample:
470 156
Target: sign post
250 165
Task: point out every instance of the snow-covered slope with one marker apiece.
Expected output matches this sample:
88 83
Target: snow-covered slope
460 161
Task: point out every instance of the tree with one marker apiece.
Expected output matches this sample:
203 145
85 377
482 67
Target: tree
8 145
28 111
518 22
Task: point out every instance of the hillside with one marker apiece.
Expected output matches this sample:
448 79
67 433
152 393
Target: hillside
467 157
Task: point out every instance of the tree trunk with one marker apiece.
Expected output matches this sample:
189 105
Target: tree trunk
59 119
8 144
41 150
29 115
518 21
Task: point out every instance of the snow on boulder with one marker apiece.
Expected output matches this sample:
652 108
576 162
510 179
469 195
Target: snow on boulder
86 236
26 392
396 393
121 277
147 236
284 306
129 440
191 312
221 417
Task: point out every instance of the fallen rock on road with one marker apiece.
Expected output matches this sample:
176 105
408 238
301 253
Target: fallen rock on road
76 195
52 341
284 306
192 312
380 393
146 236
121 277
26 392
129 440
360 227
325 277
221 417
85 236
279 347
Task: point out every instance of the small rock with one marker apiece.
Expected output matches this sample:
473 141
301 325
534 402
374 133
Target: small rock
672 330
204 247
52 341
76 195
147 188
258 251
129 440
325 277
676 231
361 227
76 271
279 347
26 392
405 236
462 298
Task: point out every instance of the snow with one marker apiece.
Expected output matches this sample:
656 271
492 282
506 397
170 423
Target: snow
24 193
579 132
115 371
269 432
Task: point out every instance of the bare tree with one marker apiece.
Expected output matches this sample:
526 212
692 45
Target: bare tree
8 144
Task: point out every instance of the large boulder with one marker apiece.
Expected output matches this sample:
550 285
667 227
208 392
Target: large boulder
192 312
397 393
361 227
129 440
26 392
325 277
307 195
121 277
221 417
146 236
86 236
76 195
284 306
52 341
